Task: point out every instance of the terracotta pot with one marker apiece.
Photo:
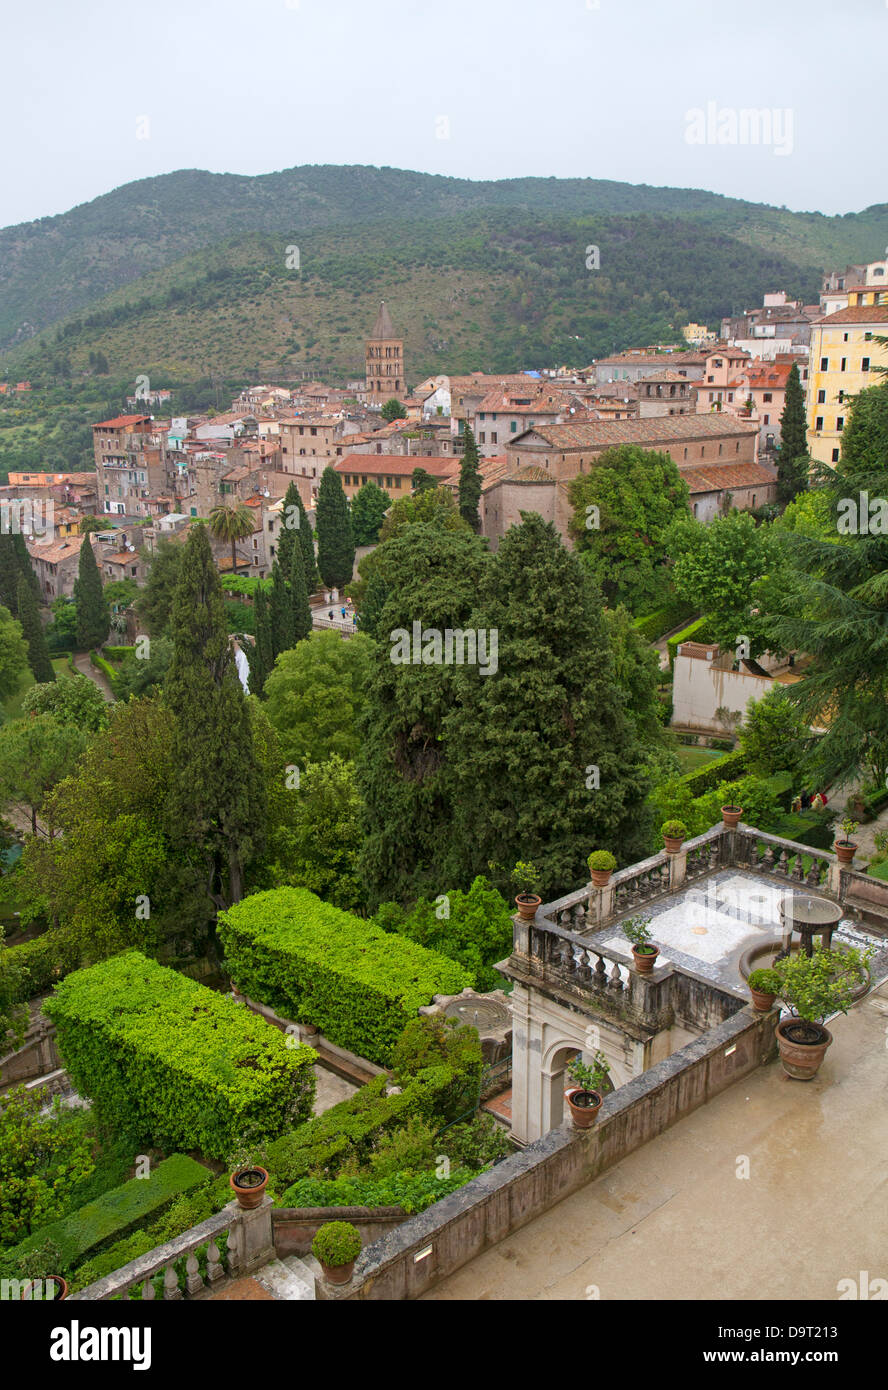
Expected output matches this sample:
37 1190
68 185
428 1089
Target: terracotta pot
761 1002
60 1283
583 1116
338 1274
845 851
801 1060
672 843
644 960
601 877
249 1197
731 816
527 904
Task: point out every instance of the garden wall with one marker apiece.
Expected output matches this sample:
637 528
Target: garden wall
295 1227
410 1260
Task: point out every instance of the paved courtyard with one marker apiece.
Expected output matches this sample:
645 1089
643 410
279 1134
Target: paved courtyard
675 1220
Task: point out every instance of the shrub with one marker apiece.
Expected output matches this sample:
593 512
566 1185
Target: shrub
412 1191
476 1144
175 1061
674 829
475 930
725 769
816 986
119 654
766 980
663 620
43 1158
313 962
336 1243
637 930
695 632
601 861
405 1150
36 965
116 1212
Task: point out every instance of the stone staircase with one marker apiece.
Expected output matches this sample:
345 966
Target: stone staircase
292 1278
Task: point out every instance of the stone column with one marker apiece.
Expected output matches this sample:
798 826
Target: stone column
257 1240
522 1062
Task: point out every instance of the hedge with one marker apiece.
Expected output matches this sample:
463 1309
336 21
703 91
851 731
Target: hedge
179 1064
310 961
104 666
806 828
37 965
241 584
663 620
107 1219
696 632
726 769
118 653
412 1191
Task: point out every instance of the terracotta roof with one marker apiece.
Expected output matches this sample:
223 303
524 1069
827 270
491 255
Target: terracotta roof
505 399
862 313
120 421
728 476
661 429
394 464
57 550
51 479
531 473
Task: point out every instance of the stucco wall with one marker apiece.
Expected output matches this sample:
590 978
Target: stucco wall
699 689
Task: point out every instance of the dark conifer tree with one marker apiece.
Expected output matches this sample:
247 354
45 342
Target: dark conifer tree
260 655
792 455
93 613
470 483
336 545
299 596
283 635
32 631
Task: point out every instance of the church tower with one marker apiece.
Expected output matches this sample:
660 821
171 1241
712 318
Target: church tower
385 361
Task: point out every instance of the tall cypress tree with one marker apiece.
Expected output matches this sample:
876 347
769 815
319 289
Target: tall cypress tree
24 563
32 631
260 655
545 763
291 525
336 545
299 596
9 573
93 613
283 634
792 455
470 482
216 800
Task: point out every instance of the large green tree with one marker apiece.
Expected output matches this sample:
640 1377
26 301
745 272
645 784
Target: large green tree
232 524
260 655
75 700
774 736
546 763
323 837
299 596
9 573
336 545
216 796
368 508
470 482
93 613
155 602
13 654
715 568
35 754
792 454
833 605
32 631
622 510
296 528
315 695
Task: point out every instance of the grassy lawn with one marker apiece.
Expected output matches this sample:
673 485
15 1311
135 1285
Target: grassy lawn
879 870
12 706
691 758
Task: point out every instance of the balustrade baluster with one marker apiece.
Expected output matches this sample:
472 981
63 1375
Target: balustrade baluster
193 1281
147 1290
171 1283
214 1263
234 1240
616 979
600 980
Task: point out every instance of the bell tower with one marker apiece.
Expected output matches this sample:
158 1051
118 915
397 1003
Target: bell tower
385 361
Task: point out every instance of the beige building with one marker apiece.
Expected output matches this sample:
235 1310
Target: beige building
844 352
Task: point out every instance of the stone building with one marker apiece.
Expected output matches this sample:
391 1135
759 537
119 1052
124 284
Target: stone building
385 367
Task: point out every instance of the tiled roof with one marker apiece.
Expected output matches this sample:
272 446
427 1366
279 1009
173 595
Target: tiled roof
662 429
56 550
120 421
394 464
531 473
862 313
728 476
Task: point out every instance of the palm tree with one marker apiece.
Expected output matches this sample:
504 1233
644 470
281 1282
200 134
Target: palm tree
232 524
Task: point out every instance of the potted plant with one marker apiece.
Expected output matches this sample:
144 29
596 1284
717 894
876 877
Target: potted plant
813 988
674 832
35 1267
601 865
337 1245
731 816
584 1099
644 952
248 1180
764 986
525 877
846 849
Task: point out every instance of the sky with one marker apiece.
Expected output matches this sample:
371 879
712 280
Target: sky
96 94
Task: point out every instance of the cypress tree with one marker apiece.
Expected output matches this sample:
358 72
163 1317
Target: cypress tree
24 563
32 631
792 455
545 763
216 799
470 482
291 525
283 635
9 573
260 654
93 613
336 546
299 597
369 617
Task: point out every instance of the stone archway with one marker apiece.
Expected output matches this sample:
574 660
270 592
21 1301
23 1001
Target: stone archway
555 1082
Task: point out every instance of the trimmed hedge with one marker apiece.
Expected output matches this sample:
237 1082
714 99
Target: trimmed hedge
806 828
412 1191
106 1220
310 961
106 668
37 965
703 779
177 1063
118 653
663 620
695 632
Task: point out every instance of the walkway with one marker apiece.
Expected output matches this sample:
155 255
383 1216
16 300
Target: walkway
678 1220
86 668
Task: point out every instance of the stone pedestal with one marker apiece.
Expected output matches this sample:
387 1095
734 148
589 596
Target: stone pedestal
256 1236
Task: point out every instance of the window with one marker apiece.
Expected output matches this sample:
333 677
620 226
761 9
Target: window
397 482
766 396
719 450
821 398
685 453
512 426
835 455
482 437
844 364
840 422
702 451
864 364
824 364
388 483
493 437
766 420
818 423
737 447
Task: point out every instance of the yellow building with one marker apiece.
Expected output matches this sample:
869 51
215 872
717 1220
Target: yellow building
842 356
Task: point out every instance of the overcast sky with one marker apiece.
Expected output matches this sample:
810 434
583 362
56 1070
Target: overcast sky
97 93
